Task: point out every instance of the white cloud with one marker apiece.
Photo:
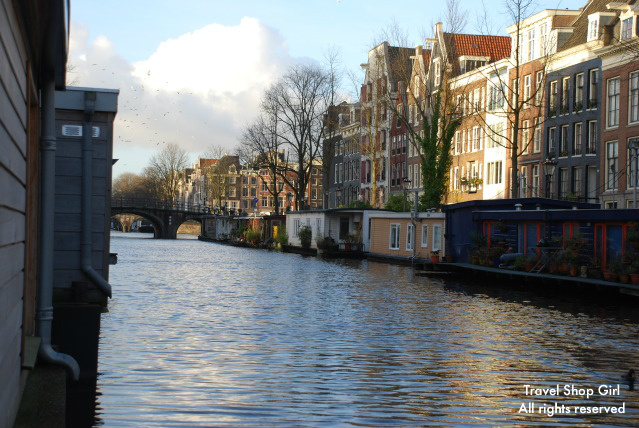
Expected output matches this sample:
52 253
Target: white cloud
199 89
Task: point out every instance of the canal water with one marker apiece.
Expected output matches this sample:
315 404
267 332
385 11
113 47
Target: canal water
202 334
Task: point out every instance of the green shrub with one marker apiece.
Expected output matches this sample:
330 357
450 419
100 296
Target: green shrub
282 236
305 234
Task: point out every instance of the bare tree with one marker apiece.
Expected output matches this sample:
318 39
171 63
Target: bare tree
297 102
261 150
164 169
130 185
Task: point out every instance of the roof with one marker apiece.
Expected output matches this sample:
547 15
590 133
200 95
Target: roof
580 23
493 47
401 64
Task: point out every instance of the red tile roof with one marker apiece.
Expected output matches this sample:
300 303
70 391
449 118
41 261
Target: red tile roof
494 47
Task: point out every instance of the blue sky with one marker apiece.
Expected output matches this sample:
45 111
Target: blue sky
192 71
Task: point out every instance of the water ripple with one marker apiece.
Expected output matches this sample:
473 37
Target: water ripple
201 334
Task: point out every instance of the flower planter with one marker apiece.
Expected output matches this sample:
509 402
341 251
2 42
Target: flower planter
609 276
573 270
564 268
634 278
624 278
434 258
594 273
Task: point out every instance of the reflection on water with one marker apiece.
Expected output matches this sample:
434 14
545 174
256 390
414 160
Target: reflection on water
201 334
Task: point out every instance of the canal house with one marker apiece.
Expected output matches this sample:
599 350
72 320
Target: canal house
405 236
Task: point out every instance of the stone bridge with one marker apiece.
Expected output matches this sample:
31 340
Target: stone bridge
165 216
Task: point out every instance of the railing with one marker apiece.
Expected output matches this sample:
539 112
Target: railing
159 204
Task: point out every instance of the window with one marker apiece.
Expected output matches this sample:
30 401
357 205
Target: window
232 192
394 236
265 203
531 44
552 141
626 28
535 181
515 91
539 88
565 93
593 29
591 148
437 237
612 156
523 182
496 96
563 183
579 92
634 97
576 181
537 137
457 142
424 236
296 227
553 98
525 137
254 180
592 88
613 102
475 142
633 167
543 39
232 180
410 233
494 172
437 73
577 137
244 192
527 90
563 142
253 191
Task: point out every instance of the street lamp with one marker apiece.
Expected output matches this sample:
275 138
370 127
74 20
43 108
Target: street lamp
406 185
633 145
549 171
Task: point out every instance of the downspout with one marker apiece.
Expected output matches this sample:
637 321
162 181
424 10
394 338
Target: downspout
87 193
44 314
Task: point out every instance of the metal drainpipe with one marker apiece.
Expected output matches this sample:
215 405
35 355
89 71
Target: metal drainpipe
44 314
87 194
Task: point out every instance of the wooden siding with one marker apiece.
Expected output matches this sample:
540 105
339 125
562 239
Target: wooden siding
68 200
380 237
13 204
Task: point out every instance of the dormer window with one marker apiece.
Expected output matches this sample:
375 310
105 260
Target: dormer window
593 29
626 28
469 63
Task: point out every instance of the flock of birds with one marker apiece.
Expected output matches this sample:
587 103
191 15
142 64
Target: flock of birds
134 114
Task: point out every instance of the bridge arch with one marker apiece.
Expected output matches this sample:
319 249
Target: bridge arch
157 222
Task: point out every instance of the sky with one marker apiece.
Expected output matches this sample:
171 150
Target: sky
192 72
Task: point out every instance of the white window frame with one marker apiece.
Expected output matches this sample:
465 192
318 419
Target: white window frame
410 237
424 236
633 97
437 237
612 106
395 237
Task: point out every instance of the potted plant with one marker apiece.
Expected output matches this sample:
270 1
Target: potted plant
613 269
350 240
305 234
434 256
324 244
529 263
519 263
